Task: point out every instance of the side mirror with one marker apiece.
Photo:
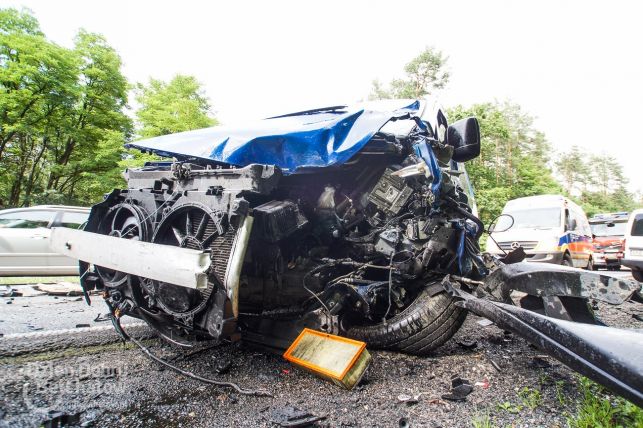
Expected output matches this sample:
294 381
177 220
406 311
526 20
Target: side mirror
502 223
464 137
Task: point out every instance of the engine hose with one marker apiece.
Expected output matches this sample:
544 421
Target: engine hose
467 214
119 329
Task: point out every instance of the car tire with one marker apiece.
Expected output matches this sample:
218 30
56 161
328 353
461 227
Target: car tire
428 322
637 274
567 261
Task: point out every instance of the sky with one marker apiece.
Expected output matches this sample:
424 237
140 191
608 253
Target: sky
576 66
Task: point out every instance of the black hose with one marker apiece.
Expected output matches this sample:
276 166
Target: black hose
467 214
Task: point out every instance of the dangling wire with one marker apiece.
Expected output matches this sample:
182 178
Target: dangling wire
149 354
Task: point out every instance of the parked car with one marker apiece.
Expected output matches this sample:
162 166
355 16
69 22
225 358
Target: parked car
24 239
608 235
633 257
549 228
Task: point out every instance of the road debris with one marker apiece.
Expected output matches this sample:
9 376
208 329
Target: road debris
28 291
484 384
338 359
292 417
460 389
467 344
540 362
57 419
6 291
484 322
102 318
495 365
61 289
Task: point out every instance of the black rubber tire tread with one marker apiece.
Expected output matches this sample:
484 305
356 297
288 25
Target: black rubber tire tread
638 275
424 325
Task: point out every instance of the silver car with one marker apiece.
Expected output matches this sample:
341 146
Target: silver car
24 239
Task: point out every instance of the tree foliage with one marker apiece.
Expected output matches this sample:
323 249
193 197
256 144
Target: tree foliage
514 157
177 106
62 114
424 74
596 182
63 121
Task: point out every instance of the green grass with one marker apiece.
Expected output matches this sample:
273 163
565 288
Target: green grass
530 397
482 421
599 409
16 280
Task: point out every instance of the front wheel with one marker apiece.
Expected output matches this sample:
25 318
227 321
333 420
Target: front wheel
638 275
567 261
428 322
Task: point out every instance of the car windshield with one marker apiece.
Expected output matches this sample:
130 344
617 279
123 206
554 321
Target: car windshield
637 225
537 218
608 229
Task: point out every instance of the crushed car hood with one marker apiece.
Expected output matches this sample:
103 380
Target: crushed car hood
293 142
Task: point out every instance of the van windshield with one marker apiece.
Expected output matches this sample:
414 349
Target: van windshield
608 229
537 218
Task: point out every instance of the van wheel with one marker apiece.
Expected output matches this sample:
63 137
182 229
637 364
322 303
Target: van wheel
567 261
638 275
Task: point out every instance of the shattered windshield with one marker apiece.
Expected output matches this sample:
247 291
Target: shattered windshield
538 218
608 229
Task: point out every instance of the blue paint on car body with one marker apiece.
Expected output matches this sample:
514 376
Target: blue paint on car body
294 142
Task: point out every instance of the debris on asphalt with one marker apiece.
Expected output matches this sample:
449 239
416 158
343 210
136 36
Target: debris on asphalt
61 289
292 417
467 344
460 389
338 359
410 399
101 317
223 366
540 362
60 419
484 384
484 322
404 423
82 325
6 291
495 365
28 291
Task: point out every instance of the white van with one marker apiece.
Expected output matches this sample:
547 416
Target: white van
633 257
550 228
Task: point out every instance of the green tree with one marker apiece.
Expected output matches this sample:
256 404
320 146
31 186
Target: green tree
514 157
573 169
61 110
424 74
177 106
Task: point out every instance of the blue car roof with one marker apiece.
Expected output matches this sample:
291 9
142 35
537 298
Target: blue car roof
293 142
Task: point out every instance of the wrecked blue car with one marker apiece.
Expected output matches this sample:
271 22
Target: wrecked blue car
353 220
